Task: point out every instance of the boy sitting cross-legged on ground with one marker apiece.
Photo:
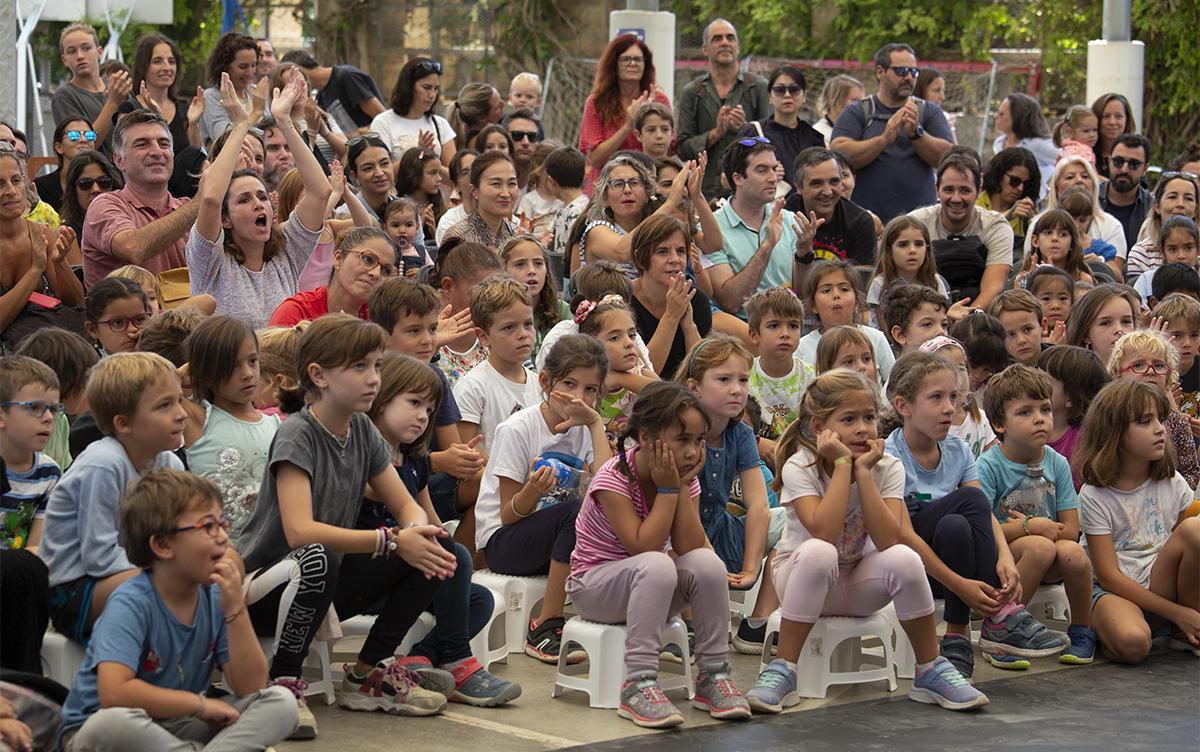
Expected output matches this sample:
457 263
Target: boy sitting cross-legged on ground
1033 498
153 653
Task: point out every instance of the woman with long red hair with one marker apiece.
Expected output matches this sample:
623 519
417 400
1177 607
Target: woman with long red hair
624 82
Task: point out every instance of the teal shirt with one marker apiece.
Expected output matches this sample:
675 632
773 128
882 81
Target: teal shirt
741 243
1001 477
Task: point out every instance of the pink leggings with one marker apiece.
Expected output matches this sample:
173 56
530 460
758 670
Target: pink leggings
811 585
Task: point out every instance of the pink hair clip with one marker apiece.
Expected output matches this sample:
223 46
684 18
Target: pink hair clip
585 308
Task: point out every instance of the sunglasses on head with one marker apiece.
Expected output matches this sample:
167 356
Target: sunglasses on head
752 140
84 135
103 181
373 139
780 90
429 66
530 136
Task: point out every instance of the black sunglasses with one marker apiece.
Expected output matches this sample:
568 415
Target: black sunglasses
1016 182
103 181
429 66
530 136
781 89
1119 162
904 70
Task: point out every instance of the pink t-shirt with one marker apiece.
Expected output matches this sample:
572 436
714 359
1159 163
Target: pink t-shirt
114 212
595 540
1065 445
593 132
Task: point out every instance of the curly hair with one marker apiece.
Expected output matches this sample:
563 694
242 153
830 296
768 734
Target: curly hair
605 93
223 54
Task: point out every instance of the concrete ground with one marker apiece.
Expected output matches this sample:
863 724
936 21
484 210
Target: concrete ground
538 722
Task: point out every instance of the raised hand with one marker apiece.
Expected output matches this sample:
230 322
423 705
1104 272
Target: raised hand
575 411
337 179
451 326
196 107
63 240
425 140
737 118
723 124
147 101
42 244
806 229
773 230
635 105
232 102
258 94
679 298
675 194
696 180
119 86
282 100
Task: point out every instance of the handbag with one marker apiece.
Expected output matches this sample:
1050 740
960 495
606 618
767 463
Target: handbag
174 287
39 314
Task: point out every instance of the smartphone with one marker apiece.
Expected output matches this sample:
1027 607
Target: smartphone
45 301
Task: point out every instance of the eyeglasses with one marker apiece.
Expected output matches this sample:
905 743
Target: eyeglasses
1119 162
429 66
121 323
904 70
369 261
780 90
754 140
530 136
38 408
209 525
631 61
631 183
103 181
1141 368
85 135
1016 182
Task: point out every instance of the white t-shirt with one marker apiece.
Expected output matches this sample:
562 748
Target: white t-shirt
518 441
453 216
875 294
541 210
803 478
1104 227
884 357
989 226
977 434
1139 521
486 398
402 134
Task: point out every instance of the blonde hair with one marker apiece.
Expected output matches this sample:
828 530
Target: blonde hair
833 340
1060 168
142 276
86 28
710 352
1117 405
1143 342
525 77
117 383
1179 305
821 399
493 295
278 350
1074 117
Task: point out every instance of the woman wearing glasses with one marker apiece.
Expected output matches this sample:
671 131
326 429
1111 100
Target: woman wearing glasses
88 174
235 251
364 258
1011 185
71 137
786 131
155 73
625 80
1019 122
411 121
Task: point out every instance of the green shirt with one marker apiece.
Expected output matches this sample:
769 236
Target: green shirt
697 113
59 446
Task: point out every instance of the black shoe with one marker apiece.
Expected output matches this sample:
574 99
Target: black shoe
749 640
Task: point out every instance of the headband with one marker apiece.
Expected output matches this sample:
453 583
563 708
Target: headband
692 357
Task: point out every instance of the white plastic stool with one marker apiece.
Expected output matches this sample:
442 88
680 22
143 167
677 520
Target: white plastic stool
61 657
516 598
904 659
832 653
1053 600
605 665
741 602
318 658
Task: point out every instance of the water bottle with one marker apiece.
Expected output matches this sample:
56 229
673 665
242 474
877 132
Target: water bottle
570 474
1032 496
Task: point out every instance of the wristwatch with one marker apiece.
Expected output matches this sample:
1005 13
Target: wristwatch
805 258
918 133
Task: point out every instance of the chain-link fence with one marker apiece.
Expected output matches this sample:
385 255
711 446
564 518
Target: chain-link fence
569 80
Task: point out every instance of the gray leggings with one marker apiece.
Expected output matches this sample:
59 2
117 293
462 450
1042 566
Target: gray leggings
267 717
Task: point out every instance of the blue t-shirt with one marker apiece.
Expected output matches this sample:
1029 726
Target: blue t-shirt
139 631
722 465
1001 479
922 486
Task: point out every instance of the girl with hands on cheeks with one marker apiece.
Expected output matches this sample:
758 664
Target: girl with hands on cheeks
842 553
621 573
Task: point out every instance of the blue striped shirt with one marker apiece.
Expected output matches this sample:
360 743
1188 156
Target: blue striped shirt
25 499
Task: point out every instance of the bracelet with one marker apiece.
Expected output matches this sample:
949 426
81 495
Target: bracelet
666 490
1025 526
513 503
236 614
843 460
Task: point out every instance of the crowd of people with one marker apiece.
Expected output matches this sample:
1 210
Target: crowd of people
284 351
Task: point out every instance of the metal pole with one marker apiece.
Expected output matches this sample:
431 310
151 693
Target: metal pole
24 74
987 109
1118 21
8 63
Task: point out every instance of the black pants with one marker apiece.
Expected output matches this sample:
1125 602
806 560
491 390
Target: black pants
24 610
958 527
352 583
527 547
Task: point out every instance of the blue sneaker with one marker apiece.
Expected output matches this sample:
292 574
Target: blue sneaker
941 684
775 689
1082 649
957 649
1018 633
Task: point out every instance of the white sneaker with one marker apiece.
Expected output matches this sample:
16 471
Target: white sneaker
308 723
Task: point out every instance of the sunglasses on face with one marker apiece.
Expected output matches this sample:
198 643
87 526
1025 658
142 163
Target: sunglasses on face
369 261
103 181
1016 182
209 525
904 70
38 408
530 136
1120 162
780 90
81 135
121 323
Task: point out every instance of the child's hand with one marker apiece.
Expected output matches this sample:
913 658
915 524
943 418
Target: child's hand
830 446
1044 526
217 714
1157 324
462 460
663 471
228 579
959 310
871 457
1189 623
425 140
451 326
742 580
16 735
1010 580
980 596
576 411
419 547
679 299
1057 335
541 481
1175 395
1194 424
690 475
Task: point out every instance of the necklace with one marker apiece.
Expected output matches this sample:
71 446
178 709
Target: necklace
342 443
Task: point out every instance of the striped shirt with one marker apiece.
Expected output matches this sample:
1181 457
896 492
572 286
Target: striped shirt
595 540
25 499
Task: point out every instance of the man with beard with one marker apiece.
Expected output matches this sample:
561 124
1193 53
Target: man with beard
973 246
893 139
714 107
849 230
1123 195
524 128
278 158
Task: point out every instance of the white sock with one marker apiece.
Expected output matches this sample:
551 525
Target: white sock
755 623
923 667
791 665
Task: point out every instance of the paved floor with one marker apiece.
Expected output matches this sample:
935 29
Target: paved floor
1156 705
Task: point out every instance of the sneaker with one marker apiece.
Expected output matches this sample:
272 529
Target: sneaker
545 641
775 689
941 684
716 693
748 640
390 688
1082 649
673 654
1007 662
308 724
434 679
1018 633
643 702
957 649
475 685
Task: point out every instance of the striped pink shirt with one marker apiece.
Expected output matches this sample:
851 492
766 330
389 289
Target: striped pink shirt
595 540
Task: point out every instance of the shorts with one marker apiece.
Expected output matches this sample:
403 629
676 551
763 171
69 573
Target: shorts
1159 627
70 604
443 494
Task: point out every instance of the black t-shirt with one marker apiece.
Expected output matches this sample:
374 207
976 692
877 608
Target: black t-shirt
415 475
850 234
343 96
178 125
647 325
50 189
788 142
1124 215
